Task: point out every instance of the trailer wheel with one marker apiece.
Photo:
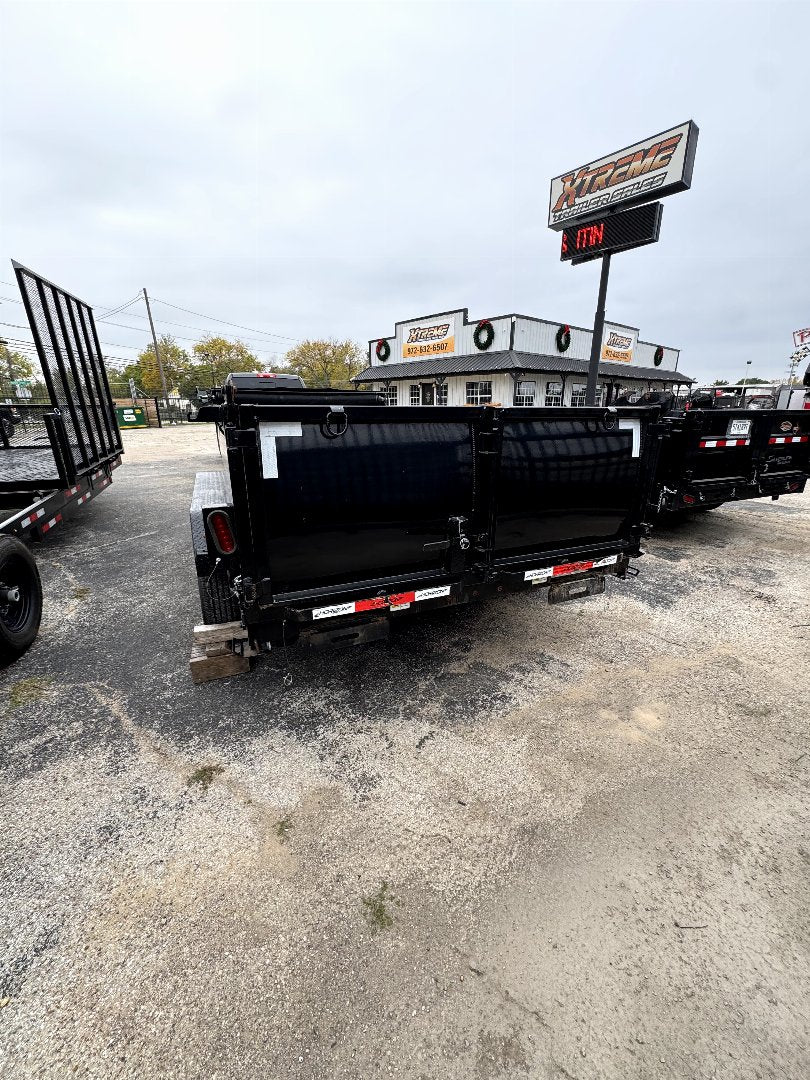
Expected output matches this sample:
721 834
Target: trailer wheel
20 599
217 604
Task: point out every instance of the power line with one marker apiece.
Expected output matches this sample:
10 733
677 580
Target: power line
224 322
117 310
185 326
18 342
13 285
141 330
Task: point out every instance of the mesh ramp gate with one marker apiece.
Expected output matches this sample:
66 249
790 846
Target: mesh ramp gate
70 355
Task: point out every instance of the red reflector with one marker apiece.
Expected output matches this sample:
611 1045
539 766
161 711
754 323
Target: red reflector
690 500
397 599
371 605
571 568
220 525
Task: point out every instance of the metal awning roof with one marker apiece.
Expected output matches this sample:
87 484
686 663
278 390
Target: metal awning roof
493 362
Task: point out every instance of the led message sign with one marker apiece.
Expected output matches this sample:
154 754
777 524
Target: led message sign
615 232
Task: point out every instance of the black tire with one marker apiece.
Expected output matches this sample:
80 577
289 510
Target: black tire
8 428
19 619
216 602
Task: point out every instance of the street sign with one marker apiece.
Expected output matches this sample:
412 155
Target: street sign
801 337
615 232
648 170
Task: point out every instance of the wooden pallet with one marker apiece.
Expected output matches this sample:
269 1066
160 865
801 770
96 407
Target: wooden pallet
219 650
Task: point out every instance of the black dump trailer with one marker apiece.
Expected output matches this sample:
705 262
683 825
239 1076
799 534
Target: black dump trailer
54 458
336 517
712 456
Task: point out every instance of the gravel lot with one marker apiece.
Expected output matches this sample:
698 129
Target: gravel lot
516 841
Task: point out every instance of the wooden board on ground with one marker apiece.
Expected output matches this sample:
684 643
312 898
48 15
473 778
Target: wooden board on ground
220 665
211 632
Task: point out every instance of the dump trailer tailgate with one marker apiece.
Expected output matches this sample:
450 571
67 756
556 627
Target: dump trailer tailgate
714 456
346 515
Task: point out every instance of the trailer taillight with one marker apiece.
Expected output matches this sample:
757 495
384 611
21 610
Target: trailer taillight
690 500
220 525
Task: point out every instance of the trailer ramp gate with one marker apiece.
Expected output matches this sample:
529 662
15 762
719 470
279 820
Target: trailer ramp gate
70 355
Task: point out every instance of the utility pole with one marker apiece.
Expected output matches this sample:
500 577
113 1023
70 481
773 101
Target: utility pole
157 350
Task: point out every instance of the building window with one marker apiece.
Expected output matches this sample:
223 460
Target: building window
390 393
441 393
415 397
525 392
479 393
578 393
554 393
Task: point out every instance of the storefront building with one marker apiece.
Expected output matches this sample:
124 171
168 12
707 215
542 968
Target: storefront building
446 359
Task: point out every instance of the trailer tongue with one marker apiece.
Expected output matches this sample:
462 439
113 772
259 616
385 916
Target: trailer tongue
335 519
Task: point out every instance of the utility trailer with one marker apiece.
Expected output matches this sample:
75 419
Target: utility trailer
712 456
58 457
335 519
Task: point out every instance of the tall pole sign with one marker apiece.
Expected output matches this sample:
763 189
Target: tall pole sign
601 208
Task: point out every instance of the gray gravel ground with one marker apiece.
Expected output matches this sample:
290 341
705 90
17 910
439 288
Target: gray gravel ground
515 841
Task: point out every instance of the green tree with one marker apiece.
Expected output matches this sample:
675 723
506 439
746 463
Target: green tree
146 373
720 382
14 365
216 357
754 382
326 363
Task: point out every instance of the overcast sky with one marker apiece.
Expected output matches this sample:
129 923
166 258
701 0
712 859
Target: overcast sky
314 170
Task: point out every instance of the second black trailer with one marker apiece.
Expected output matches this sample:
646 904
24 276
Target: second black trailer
55 457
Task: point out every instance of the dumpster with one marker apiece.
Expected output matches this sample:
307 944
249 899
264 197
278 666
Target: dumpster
131 416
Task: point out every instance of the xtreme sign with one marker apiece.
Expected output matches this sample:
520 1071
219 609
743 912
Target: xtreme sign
657 166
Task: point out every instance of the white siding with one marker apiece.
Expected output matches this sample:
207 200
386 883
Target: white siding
536 336
464 331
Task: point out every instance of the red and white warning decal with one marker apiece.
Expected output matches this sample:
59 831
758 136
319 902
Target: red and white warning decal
71 491
31 518
710 444
50 524
546 572
397 601
777 440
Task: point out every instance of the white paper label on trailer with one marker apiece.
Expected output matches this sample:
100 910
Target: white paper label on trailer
268 433
633 425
